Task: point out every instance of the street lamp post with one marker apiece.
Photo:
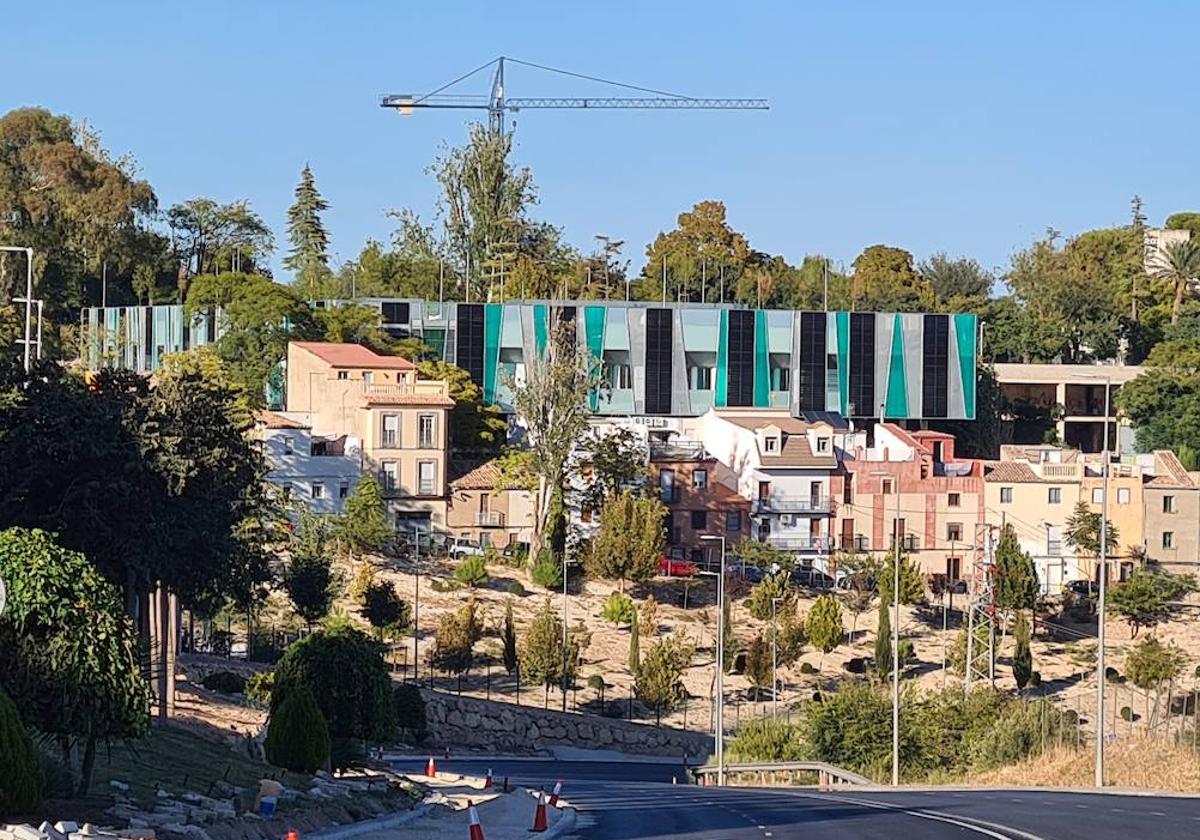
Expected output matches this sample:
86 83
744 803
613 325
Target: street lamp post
27 300
720 676
895 628
1101 613
417 609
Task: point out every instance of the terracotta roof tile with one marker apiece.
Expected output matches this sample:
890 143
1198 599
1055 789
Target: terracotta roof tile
1009 472
341 355
473 475
273 420
1169 471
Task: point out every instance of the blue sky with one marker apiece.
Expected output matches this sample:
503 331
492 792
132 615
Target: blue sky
929 126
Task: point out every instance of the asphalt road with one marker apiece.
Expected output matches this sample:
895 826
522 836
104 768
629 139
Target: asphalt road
633 800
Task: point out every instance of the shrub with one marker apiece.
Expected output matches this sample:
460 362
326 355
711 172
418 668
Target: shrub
767 740
515 587
596 682
439 585
618 609
807 668
547 572
258 687
908 651
297 734
345 671
410 711
22 783
1126 714
384 609
472 571
226 682
771 587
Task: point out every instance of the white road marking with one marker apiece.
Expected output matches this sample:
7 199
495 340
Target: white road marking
1157 814
987 829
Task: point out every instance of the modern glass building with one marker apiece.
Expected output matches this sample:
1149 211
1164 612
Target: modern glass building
659 359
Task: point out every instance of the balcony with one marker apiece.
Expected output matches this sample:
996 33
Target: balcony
489 519
908 542
799 543
776 503
858 542
677 450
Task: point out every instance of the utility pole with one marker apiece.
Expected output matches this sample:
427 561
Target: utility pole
720 675
564 636
28 301
896 641
774 659
417 609
1102 612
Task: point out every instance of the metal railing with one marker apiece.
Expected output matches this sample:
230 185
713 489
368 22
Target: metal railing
489 519
823 770
799 543
791 504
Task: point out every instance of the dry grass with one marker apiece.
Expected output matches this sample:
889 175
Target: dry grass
1139 763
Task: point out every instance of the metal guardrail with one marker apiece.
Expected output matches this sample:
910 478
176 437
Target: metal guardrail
835 775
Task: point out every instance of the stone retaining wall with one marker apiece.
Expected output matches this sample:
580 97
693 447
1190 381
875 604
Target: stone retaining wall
508 728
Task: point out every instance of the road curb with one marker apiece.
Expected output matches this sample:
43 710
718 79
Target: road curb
1133 792
341 832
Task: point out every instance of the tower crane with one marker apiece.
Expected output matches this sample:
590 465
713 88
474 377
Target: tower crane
497 104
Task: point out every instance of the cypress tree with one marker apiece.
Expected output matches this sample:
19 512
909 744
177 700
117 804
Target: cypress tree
308 258
883 643
1022 664
635 654
509 637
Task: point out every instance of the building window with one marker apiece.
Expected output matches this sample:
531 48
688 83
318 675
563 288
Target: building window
954 500
1122 495
621 377
287 490
289 444
666 485
886 487
1168 540
764 490
822 444
781 378
389 475
426 424
699 479
343 374
1006 495
699 520
367 376
319 449
390 439
343 489
771 444
1168 504
1054 495
318 490
701 378
426 478
733 520
1097 496
954 531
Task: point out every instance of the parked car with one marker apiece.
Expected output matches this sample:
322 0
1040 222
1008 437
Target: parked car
670 567
463 547
848 583
1084 587
812 578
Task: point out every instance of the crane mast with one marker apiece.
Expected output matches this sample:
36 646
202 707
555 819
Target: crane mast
498 104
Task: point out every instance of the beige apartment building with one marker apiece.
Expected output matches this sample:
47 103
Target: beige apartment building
401 420
1172 512
1126 502
484 512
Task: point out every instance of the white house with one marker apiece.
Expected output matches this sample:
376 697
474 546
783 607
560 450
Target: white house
319 471
785 466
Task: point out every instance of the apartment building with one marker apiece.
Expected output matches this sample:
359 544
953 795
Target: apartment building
314 470
691 483
1126 500
788 470
911 484
400 419
484 512
1171 504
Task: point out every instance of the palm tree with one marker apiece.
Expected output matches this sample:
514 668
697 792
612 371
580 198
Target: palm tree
1179 263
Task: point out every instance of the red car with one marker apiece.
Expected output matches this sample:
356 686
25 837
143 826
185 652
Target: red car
669 567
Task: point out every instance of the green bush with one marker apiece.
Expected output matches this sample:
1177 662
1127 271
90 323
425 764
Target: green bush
258 687
596 682
547 572
345 670
908 651
807 668
410 711
618 609
768 740
472 571
517 589
226 682
22 784
1126 714
439 585
771 587
297 734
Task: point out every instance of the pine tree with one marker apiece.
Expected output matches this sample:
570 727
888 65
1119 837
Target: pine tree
635 656
883 643
731 642
509 638
1015 576
308 258
758 665
363 527
1022 663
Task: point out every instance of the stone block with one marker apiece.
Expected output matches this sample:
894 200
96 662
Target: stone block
24 831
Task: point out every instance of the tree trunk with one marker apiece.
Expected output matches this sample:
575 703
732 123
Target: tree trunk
88 764
1180 288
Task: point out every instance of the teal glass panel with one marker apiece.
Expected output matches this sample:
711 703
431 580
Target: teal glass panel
721 397
493 313
541 328
896 404
436 340
964 329
762 379
843 359
593 328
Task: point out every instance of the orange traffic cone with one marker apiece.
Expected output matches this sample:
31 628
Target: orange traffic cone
476 830
487 780
554 794
539 816
431 768
293 834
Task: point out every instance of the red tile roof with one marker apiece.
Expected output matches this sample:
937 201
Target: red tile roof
272 420
1013 472
467 475
353 356
1170 471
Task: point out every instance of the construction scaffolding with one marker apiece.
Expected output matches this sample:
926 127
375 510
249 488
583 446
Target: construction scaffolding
981 613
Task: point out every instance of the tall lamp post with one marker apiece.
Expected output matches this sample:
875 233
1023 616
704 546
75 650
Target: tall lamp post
1101 613
27 300
775 658
895 626
719 714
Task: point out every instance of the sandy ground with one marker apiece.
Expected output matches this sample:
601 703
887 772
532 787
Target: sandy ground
1063 650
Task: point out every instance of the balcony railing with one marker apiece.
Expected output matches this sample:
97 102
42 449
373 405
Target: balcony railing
908 542
489 519
858 542
389 440
1054 548
776 503
799 543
